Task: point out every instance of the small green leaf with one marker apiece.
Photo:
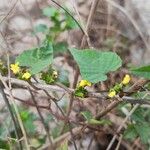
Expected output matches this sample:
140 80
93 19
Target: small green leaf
36 59
47 78
142 71
130 133
143 131
70 23
81 92
99 122
50 11
138 116
60 47
28 119
94 65
87 115
41 28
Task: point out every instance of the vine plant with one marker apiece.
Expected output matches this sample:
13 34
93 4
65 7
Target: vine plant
94 66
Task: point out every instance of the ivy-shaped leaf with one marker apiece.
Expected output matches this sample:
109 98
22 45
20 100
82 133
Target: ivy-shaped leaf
94 65
36 59
142 71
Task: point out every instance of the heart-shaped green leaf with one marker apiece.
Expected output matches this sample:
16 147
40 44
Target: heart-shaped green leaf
94 65
36 59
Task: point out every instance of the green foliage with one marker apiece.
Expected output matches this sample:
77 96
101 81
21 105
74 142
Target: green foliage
142 71
94 65
63 146
130 133
87 115
41 28
138 115
28 119
50 11
63 77
4 145
60 47
37 59
89 118
138 129
140 126
80 92
3 69
143 131
48 76
69 22
56 131
7 128
118 87
62 20
99 122
49 118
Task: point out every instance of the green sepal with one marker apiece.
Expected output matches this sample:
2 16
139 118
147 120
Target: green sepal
81 92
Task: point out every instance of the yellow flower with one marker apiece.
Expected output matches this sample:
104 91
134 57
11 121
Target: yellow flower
55 74
112 94
26 76
15 68
126 80
84 83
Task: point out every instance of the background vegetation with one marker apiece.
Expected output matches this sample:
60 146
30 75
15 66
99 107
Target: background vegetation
79 80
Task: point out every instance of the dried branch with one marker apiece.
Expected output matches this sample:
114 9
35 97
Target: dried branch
9 11
17 112
131 20
43 122
15 122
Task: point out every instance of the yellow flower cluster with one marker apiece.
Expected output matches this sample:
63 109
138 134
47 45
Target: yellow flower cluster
126 80
112 94
119 87
84 83
26 76
15 68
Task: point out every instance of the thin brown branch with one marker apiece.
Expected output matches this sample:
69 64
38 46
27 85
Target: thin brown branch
61 88
43 122
9 12
15 122
89 22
